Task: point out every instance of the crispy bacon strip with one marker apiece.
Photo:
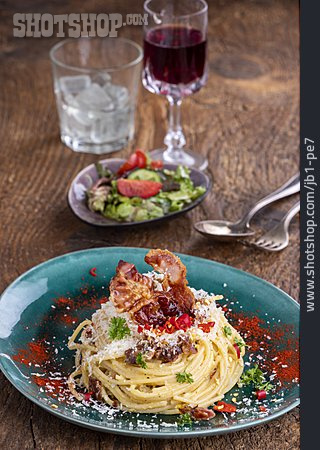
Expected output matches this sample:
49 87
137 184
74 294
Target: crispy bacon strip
129 290
133 292
169 264
175 273
198 413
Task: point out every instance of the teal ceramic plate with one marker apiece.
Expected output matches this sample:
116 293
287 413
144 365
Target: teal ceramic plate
41 308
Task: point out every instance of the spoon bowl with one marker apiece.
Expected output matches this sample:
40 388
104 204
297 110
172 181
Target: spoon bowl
223 230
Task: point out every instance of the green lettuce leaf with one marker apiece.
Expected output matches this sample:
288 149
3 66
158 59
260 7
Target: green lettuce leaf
118 207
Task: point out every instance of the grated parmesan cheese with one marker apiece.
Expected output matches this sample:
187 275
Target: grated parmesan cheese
206 310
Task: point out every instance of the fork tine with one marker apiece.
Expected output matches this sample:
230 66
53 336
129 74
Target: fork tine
278 237
282 245
260 241
276 245
267 243
264 243
278 248
271 244
260 245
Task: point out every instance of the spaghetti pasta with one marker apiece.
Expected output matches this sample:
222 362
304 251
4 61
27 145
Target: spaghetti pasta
190 360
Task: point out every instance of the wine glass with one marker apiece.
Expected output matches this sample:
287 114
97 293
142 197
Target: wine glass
175 48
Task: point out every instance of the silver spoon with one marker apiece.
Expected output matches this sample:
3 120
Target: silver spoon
224 230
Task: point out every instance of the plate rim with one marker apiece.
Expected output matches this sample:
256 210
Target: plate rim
116 224
148 434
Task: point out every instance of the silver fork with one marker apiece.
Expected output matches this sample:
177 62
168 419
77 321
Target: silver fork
278 237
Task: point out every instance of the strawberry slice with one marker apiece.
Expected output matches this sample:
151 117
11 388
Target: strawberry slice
138 188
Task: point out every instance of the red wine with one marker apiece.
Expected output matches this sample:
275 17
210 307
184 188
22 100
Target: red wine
174 54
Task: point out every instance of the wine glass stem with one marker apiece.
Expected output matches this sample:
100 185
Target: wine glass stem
174 139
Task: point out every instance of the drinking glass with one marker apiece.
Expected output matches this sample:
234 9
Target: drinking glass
175 48
96 82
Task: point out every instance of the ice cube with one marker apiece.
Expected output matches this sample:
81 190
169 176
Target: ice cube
101 78
80 113
103 131
111 127
95 98
71 125
73 85
98 114
119 95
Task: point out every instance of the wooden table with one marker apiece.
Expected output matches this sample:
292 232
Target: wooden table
245 120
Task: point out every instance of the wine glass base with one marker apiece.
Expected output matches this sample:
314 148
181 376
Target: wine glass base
183 157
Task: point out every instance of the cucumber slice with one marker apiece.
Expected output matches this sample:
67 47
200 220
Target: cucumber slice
144 174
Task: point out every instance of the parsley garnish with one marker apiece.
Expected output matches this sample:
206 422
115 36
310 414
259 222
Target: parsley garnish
118 328
267 386
184 377
184 419
256 377
140 361
227 331
239 342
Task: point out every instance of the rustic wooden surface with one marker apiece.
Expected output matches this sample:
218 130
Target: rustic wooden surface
245 120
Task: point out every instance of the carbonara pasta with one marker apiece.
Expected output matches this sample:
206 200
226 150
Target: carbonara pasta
156 346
